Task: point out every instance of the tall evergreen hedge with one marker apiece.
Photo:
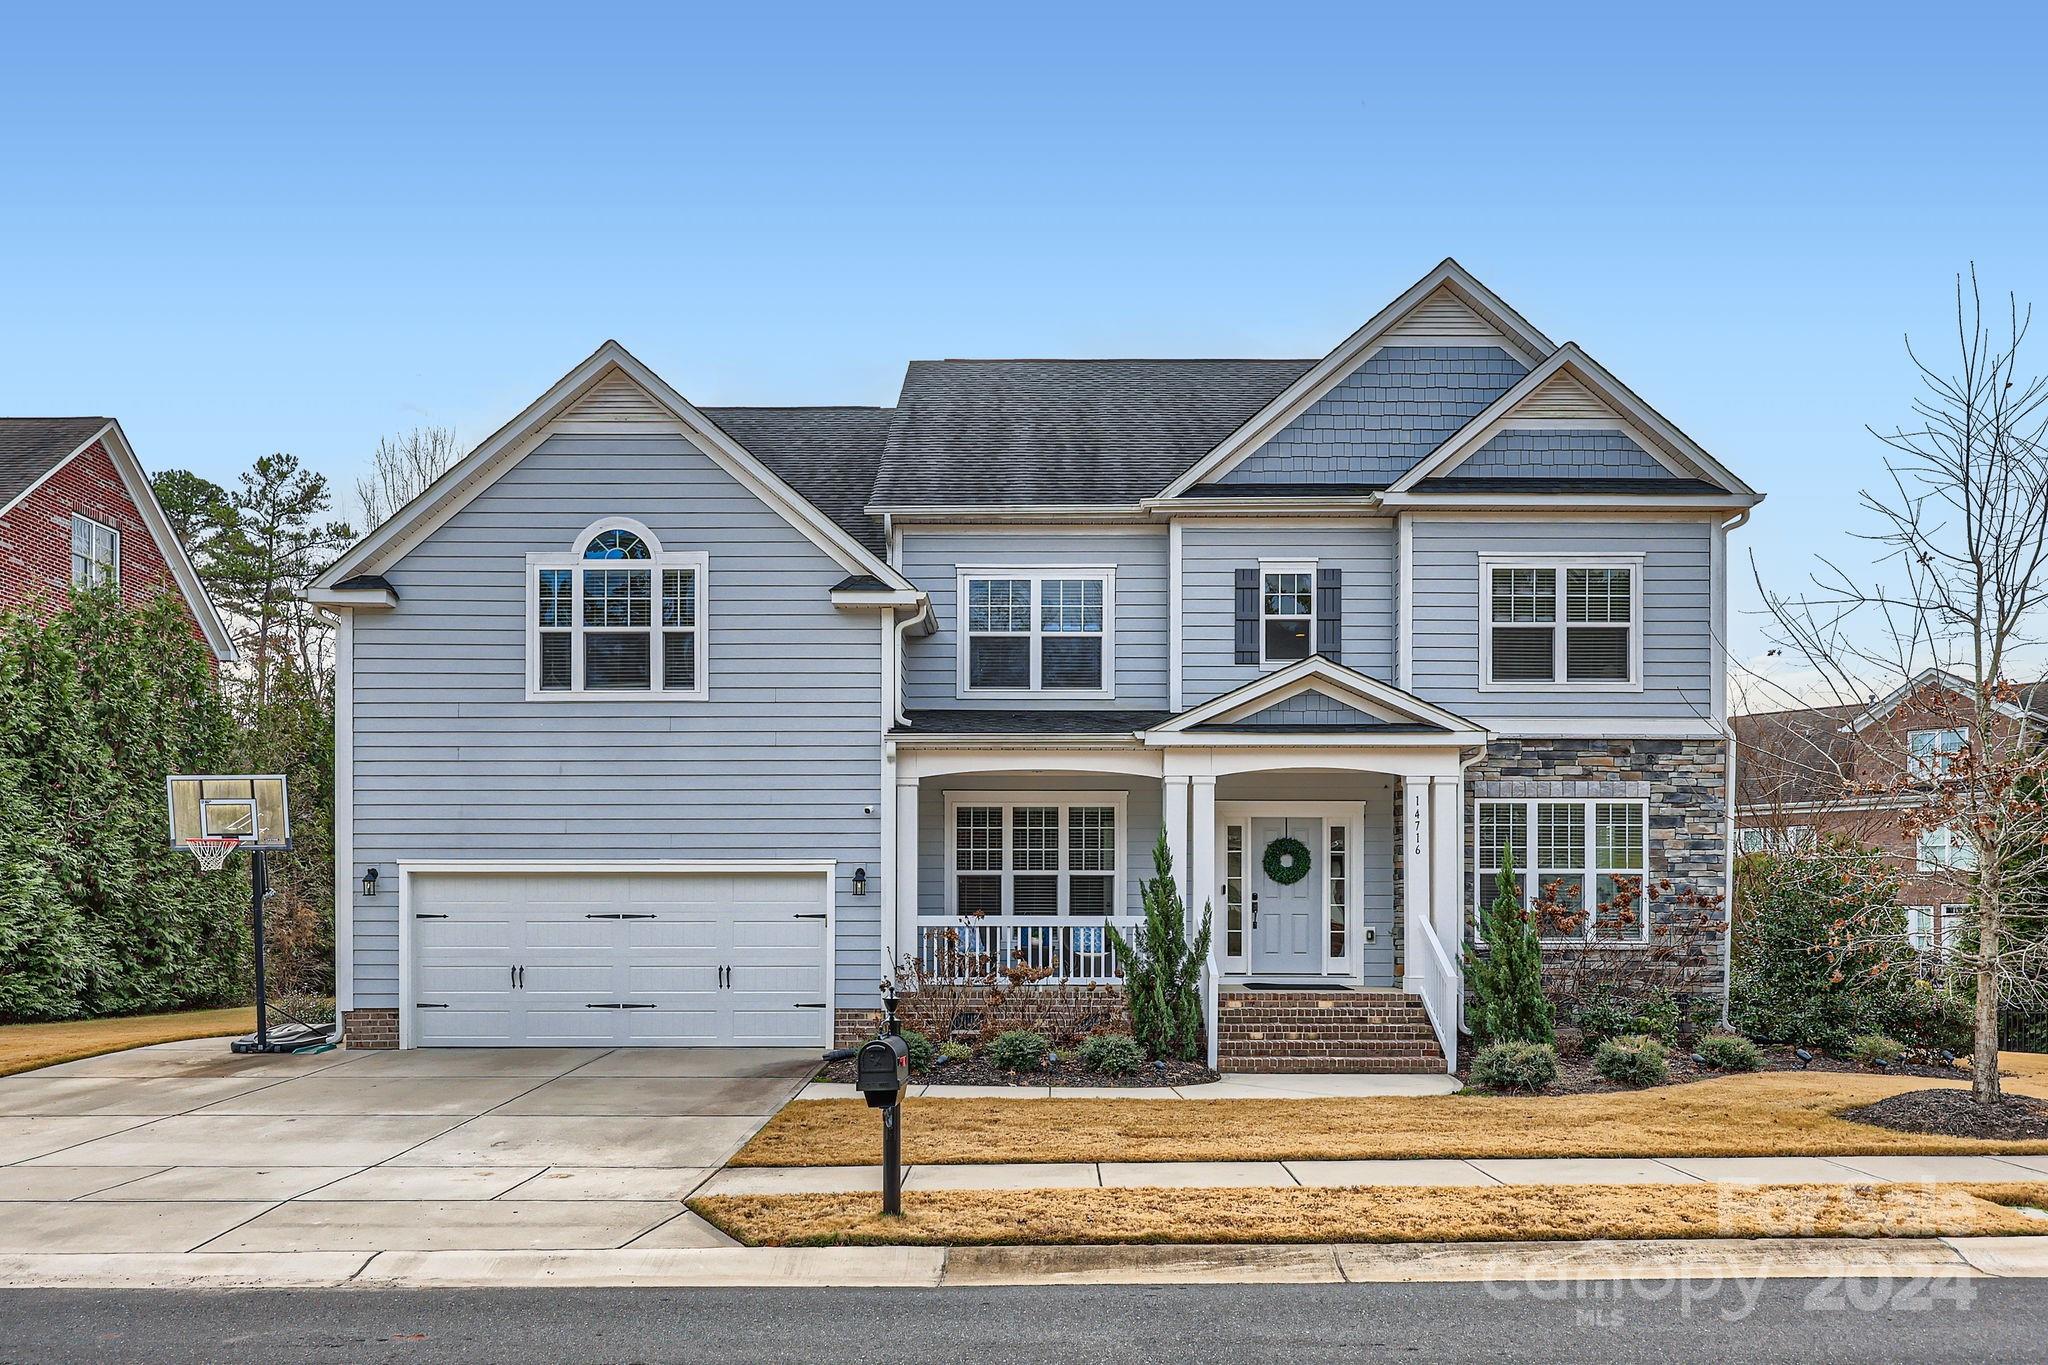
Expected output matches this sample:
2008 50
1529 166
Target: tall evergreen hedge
98 914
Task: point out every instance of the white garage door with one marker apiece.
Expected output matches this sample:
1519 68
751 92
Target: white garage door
593 959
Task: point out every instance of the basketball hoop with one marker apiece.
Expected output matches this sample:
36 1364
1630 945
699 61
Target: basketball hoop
212 853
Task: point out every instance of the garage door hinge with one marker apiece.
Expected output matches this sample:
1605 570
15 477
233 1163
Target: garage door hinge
615 915
819 916
816 1006
423 1005
422 915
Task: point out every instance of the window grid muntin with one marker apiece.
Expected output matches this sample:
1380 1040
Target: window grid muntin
1008 840
1931 753
594 591
1287 597
1040 607
95 553
1600 603
1496 820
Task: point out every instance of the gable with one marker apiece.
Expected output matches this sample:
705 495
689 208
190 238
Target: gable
1381 419
615 398
1585 453
1563 398
1441 316
1311 709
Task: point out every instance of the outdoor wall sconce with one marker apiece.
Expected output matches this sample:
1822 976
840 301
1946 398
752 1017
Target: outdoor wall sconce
370 882
860 881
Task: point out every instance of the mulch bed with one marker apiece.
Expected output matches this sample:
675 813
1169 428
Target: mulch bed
1954 1113
975 1071
1576 1076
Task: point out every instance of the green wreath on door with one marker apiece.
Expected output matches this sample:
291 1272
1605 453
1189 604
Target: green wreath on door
1286 860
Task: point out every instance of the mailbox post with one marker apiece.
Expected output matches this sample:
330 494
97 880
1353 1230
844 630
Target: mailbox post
881 1072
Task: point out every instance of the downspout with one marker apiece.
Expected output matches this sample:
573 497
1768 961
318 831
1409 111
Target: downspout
918 617
1734 523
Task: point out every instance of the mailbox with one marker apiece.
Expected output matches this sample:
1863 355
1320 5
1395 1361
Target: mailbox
882 1071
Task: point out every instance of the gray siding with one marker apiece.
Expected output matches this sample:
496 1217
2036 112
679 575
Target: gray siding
1211 555
1310 708
932 561
452 761
1384 416
1143 817
1677 595
1593 454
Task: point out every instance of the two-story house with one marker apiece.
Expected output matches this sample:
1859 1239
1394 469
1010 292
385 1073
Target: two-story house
667 724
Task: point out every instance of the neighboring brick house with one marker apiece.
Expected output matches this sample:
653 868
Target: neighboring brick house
1853 770
76 507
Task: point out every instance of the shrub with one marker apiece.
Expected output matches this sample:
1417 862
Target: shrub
1508 977
1632 1060
1727 1052
1163 969
1515 1066
1018 1050
921 1050
1657 1017
955 1052
1600 1016
1112 1054
1919 1014
1874 1049
1790 985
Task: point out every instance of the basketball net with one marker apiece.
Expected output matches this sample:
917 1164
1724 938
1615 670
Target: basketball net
212 853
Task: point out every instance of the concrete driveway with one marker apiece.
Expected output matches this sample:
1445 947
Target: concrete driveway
186 1146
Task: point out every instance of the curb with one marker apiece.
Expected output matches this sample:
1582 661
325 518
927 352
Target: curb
938 1267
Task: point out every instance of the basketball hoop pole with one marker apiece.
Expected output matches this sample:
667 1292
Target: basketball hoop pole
259 886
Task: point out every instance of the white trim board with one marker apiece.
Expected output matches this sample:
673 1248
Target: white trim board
482 467
1347 685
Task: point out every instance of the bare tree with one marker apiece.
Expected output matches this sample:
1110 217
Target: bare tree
1959 586
401 467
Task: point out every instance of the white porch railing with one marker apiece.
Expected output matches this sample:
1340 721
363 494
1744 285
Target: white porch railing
1065 950
1443 992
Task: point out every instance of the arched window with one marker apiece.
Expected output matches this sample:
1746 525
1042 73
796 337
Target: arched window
618 616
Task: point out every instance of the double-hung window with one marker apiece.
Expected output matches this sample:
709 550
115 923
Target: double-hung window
1040 856
1943 850
619 617
1028 631
1287 612
1933 752
1581 867
95 553
1575 623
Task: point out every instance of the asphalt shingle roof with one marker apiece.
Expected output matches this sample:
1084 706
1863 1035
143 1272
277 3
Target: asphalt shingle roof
827 454
31 447
1041 722
1533 483
1063 432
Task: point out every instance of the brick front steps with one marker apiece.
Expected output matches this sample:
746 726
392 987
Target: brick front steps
1359 1031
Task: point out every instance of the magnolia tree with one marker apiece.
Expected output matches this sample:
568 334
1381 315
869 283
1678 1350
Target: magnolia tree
1951 611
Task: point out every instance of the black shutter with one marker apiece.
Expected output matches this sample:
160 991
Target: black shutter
1330 614
1248 616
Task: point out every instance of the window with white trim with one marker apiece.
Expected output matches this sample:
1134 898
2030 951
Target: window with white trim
95 553
1943 850
1581 867
1036 857
619 617
1933 752
1561 623
1287 612
1760 839
1036 631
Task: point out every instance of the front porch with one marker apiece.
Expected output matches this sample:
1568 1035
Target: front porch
1327 853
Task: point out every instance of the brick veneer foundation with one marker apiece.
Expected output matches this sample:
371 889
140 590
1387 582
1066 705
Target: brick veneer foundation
1064 1014
370 1028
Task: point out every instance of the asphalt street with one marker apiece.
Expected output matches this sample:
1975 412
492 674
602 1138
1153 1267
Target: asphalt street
1791 1320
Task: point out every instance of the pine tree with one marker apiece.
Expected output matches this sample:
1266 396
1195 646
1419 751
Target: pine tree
1508 978
1163 970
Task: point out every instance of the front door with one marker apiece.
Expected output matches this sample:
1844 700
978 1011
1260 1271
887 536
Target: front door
1286 918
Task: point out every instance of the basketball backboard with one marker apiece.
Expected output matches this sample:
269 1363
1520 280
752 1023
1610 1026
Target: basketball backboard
246 807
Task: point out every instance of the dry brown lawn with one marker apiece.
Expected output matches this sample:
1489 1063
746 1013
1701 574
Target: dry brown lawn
1780 1113
24 1047
1383 1214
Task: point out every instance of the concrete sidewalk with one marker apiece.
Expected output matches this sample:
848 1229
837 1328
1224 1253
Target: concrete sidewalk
1740 1170
1651 1262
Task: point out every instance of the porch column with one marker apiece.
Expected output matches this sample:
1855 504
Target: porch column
1200 882
1174 813
1415 881
1447 858
903 870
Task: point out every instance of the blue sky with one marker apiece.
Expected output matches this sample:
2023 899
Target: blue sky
246 229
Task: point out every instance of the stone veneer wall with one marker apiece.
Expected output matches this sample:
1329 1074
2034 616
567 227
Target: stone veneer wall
1686 784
